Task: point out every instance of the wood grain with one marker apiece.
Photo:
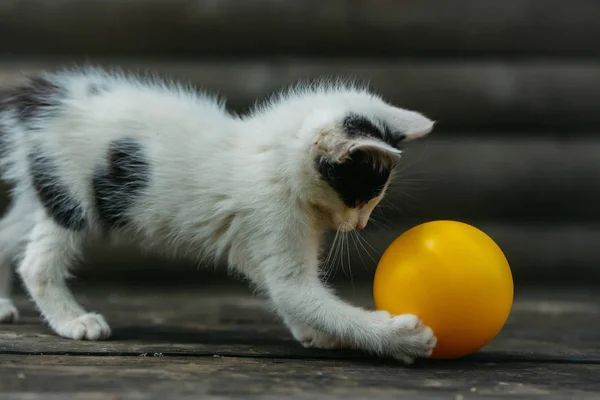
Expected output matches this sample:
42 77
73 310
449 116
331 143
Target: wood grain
312 28
53 377
227 321
498 177
218 342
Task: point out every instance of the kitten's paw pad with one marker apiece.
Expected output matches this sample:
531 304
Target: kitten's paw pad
410 338
309 337
89 326
8 312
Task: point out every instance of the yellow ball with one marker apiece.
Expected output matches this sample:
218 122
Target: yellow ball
454 277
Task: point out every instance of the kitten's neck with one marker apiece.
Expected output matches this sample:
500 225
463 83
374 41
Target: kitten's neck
274 139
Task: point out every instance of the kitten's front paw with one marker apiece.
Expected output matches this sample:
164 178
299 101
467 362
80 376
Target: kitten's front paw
90 326
407 338
8 311
309 337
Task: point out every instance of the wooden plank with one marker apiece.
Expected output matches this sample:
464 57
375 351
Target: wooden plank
524 179
207 321
521 178
50 377
536 252
546 96
493 178
486 95
364 27
546 252
532 193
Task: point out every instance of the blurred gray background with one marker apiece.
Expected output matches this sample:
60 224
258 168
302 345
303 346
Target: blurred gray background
514 86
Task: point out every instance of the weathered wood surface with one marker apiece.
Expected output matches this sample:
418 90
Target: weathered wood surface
266 27
218 343
204 321
55 377
546 96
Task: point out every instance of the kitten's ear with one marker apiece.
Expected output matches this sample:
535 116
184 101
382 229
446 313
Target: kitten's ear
345 149
415 125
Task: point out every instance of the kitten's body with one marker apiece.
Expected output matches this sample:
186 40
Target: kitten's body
94 156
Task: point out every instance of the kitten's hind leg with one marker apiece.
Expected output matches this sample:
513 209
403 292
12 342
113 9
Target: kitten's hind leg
45 268
15 227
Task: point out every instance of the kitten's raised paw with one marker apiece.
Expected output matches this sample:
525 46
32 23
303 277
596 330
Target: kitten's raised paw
90 326
8 312
408 338
309 337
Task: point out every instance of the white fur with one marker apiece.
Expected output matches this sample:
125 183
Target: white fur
241 189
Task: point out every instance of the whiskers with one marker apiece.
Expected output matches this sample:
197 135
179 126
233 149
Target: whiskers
379 220
329 266
402 184
339 255
339 252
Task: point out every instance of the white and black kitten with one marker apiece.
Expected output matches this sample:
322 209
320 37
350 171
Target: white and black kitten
94 155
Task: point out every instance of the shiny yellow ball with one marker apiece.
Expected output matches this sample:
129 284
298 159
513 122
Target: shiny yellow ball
454 277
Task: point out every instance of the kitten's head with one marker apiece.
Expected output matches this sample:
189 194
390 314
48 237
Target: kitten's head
355 145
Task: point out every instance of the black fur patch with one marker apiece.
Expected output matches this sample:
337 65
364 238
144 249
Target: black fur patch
356 180
357 125
118 183
53 194
36 96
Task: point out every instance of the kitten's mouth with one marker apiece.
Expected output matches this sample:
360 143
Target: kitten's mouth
347 228
332 223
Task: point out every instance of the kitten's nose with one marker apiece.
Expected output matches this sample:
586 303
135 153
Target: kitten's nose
360 225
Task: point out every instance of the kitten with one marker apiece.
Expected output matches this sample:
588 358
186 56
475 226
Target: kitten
96 155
